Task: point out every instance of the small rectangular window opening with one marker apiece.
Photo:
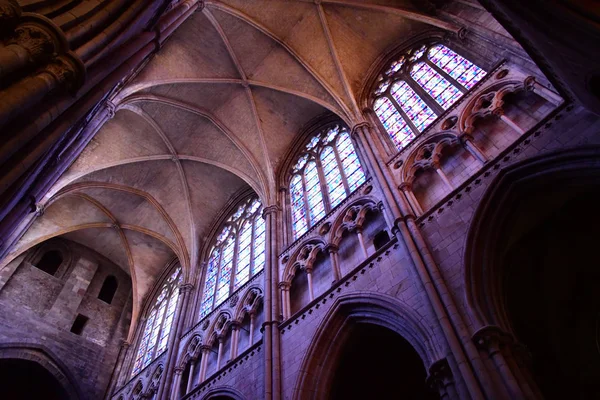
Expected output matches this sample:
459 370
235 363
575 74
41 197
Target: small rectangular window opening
79 324
381 239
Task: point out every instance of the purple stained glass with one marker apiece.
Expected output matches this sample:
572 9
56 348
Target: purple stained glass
393 122
415 108
442 91
351 164
259 245
462 70
298 209
313 192
333 176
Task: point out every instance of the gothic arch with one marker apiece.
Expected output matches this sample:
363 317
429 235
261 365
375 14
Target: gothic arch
353 216
44 357
223 392
573 168
248 303
377 309
304 256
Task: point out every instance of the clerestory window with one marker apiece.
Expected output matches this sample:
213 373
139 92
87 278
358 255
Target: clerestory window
418 87
327 171
158 324
238 254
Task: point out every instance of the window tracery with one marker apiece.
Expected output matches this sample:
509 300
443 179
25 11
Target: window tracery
419 86
238 254
327 171
158 324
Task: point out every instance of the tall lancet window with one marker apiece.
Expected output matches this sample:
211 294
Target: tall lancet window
418 87
326 172
238 254
158 324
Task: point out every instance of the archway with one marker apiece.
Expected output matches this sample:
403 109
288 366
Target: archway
25 380
362 328
532 270
552 291
377 363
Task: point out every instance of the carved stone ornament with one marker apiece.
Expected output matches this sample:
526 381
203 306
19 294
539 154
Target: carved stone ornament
36 40
502 73
449 122
9 15
398 164
368 189
324 228
205 325
233 300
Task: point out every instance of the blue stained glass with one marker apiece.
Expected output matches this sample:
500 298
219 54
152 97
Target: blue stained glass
243 261
259 245
298 210
417 110
350 162
333 176
393 122
313 192
462 70
418 53
443 92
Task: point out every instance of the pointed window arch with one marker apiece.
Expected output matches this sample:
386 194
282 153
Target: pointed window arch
158 324
327 171
417 87
238 254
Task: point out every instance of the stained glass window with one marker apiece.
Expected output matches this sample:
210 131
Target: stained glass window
238 254
329 161
444 77
158 324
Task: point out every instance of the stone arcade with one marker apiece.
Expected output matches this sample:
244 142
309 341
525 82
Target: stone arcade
298 199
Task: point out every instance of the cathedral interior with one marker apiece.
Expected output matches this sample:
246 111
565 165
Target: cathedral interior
299 199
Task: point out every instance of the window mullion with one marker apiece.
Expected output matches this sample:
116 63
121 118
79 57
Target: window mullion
445 75
323 184
160 329
236 249
252 241
338 159
404 116
430 101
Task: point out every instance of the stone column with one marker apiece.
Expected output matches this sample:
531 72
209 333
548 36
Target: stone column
500 113
63 311
177 383
534 86
221 339
285 299
205 350
361 241
496 343
467 141
311 294
252 321
173 344
406 188
332 249
442 174
190 382
235 339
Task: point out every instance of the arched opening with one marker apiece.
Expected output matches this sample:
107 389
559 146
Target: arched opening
50 262
377 363
552 295
108 290
25 380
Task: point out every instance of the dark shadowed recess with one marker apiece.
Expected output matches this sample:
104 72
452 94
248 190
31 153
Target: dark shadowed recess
27 380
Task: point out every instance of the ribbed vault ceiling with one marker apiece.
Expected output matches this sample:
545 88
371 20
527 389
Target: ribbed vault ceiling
211 114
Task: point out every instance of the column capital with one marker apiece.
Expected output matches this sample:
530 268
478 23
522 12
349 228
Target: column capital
492 339
67 70
205 348
179 370
332 248
125 344
284 285
405 186
529 83
111 109
498 111
465 137
235 325
440 375
270 210
359 126
185 287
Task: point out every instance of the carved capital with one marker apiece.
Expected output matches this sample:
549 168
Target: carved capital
35 40
39 209
10 12
492 339
284 285
405 186
111 109
205 348
179 370
358 127
465 137
125 344
67 71
529 83
440 375
236 325
185 288
332 248
270 210
498 111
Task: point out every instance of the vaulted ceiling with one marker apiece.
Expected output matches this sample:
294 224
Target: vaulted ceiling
213 112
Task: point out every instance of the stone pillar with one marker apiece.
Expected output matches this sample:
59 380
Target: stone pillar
190 382
496 343
177 383
311 293
285 299
251 333
500 113
235 339
173 344
112 385
221 339
63 311
332 249
467 141
406 188
361 240
205 350
534 86
442 174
